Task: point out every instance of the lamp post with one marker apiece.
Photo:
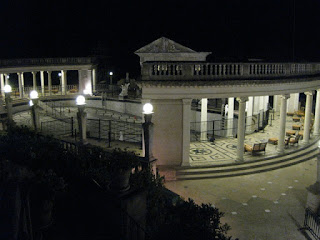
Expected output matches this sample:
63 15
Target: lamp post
82 119
8 100
60 82
34 99
7 79
111 74
147 127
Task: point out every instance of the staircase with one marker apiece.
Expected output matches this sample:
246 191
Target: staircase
246 168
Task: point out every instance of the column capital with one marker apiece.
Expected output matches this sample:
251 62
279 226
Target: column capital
49 72
186 101
34 73
242 99
285 96
309 93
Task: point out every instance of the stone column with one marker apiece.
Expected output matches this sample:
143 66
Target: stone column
94 80
6 79
293 104
318 167
230 117
49 83
8 101
64 82
283 116
42 82
317 115
307 118
249 115
2 84
35 117
276 103
82 123
241 127
261 108
204 119
256 105
20 85
186 109
34 79
266 103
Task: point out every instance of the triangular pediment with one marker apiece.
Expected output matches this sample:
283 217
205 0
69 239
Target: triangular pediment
164 45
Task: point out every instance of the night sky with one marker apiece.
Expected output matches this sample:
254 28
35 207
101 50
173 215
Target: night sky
232 30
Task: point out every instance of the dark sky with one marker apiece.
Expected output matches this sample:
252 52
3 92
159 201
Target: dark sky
230 29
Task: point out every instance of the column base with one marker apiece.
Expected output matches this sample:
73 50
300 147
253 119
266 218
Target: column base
280 151
185 164
238 159
313 197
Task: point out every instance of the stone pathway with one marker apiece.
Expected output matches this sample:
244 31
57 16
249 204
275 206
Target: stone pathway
260 206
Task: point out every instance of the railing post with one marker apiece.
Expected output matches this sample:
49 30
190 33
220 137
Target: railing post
99 122
72 126
109 133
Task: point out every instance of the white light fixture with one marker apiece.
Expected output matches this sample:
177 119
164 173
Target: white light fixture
80 100
59 74
147 108
34 94
31 103
110 73
8 76
7 89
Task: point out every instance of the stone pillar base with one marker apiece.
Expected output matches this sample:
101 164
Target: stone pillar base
313 197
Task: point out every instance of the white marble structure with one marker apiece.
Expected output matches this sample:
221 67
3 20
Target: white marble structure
45 66
173 75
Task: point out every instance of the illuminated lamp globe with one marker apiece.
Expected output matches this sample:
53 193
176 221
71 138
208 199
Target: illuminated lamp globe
111 73
147 108
7 89
34 94
59 74
80 100
31 103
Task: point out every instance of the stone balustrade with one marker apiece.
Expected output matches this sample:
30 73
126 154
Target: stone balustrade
45 61
207 71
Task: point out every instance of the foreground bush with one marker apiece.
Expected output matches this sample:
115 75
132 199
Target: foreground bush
171 217
168 215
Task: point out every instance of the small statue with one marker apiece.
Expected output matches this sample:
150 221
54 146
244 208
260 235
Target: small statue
226 108
124 91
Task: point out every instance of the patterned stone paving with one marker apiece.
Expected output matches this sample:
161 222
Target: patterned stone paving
224 150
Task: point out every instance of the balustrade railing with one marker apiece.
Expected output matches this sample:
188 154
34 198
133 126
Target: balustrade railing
55 90
229 127
198 70
45 61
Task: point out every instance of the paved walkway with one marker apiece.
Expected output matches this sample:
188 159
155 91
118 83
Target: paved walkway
264 206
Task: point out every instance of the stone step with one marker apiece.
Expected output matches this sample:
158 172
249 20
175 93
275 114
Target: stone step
248 167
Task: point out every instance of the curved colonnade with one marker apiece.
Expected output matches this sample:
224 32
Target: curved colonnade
45 66
251 84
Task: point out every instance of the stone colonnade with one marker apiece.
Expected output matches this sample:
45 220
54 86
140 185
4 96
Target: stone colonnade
87 81
247 107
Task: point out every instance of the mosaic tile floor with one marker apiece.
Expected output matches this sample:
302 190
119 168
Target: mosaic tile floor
224 150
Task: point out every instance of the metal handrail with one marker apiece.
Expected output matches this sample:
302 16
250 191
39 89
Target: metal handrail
312 223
